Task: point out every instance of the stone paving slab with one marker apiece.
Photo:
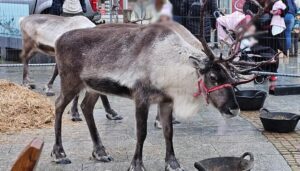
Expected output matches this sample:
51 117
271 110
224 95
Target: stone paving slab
201 136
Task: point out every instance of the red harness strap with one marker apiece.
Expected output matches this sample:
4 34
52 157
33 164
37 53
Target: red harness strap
207 91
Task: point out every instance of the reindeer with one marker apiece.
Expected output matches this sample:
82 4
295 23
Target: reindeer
39 34
160 64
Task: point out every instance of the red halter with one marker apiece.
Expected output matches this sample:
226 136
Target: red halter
209 90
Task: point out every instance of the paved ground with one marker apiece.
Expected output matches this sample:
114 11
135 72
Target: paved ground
201 136
288 144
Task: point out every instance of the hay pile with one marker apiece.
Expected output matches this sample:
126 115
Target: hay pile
23 108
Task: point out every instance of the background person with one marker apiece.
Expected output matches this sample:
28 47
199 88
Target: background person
165 13
68 8
276 42
177 14
289 19
72 8
56 7
144 11
190 10
264 24
295 35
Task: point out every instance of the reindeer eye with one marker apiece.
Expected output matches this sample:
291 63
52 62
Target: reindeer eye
213 77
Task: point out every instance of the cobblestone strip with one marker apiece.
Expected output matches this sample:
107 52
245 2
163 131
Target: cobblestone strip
288 144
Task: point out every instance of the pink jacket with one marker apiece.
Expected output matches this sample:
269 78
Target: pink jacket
277 20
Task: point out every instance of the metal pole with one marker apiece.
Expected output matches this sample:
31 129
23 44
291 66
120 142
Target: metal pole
117 4
21 65
111 11
274 74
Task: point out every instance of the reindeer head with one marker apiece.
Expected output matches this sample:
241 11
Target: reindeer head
215 86
219 75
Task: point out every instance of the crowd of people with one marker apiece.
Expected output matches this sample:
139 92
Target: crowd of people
279 24
280 19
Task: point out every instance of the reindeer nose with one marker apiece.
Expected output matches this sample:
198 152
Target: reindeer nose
235 112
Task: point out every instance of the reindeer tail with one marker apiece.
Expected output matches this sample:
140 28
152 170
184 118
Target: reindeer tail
21 19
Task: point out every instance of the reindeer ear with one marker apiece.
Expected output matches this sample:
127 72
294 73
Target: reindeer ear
197 63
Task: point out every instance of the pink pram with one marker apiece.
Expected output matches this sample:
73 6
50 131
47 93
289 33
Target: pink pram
227 24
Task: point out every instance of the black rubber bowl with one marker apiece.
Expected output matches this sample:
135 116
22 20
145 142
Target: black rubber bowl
250 100
226 163
281 122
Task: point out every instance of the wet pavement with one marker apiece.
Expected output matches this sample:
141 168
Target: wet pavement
202 136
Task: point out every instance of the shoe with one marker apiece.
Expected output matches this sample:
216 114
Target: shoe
294 55
273 78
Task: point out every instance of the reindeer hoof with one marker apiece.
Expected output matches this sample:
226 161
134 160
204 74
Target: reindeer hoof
157 124
106 158
32 86
111 117
29 85
137 167
173 165
62 159
174 122
48 91
169 168
75 117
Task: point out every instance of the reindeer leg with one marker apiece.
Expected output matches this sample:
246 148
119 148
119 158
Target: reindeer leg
48 88
87 107
111 114
58 154
142 109
157 123
74 110
166 120
27 52
26 56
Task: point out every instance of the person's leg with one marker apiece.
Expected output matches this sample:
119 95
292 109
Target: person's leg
296 39
178 19
289 22
55 7
292 44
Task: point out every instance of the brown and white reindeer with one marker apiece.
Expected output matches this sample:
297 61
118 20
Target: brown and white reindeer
39 34
160 64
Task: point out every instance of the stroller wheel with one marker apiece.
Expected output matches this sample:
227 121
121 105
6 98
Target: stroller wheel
260 80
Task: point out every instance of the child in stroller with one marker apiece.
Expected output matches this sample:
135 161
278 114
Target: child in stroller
250 50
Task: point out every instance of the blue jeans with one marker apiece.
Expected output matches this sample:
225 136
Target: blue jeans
289 20
178 19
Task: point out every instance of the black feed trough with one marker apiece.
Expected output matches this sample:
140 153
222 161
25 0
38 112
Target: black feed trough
226 163
281 90
250 100
281 122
